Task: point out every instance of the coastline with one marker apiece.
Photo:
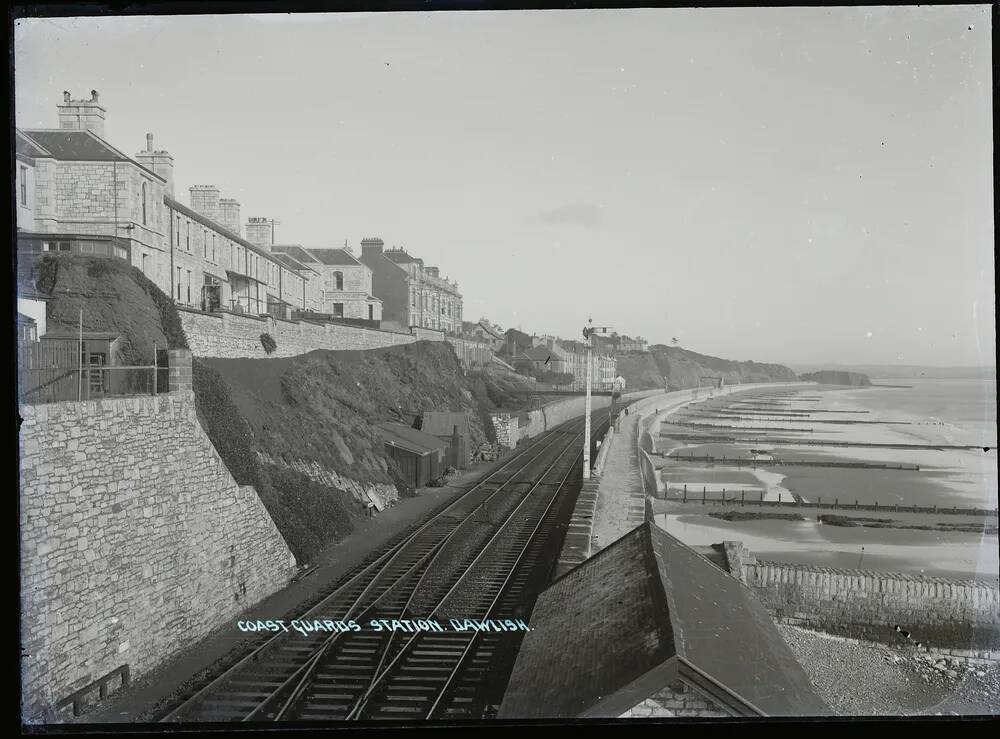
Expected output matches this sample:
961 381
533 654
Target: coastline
931 476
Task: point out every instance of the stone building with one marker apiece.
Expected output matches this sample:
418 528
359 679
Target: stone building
344 284
214 268
649 627
412 294
76 193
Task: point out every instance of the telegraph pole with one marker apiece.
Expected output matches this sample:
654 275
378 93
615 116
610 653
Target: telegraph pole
588 334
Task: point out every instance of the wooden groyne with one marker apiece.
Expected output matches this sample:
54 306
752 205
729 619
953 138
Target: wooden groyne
755 463
752 436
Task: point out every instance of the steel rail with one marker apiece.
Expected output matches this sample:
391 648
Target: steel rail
360 704
500 592
253 656
307 675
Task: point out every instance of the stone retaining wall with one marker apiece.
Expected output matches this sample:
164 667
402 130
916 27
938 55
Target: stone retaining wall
941 613
135 540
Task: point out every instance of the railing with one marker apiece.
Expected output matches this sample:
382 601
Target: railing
77 698
57 384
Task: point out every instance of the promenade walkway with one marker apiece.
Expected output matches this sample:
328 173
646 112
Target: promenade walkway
613 502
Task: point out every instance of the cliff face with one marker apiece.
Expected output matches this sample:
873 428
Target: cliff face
680 368
838 377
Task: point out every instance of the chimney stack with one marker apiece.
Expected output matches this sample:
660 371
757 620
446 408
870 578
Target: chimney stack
81 115
260 232
205 200
160 162
229 214
371 247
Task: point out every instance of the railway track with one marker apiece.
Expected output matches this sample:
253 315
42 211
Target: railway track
484 556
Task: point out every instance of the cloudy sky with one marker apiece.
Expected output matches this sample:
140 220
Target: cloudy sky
797 185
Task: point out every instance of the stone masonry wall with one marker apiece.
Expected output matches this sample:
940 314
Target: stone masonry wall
234 336
675 700
505 426
938 612
135 540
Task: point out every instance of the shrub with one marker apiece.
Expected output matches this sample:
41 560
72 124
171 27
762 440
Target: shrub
268 342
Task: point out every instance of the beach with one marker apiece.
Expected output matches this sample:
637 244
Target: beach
929 444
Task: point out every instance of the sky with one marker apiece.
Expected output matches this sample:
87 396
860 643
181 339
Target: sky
794 185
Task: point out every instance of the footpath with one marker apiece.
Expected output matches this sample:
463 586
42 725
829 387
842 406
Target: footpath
613 502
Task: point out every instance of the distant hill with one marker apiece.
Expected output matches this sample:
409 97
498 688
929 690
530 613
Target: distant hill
904 371
681 368
838 377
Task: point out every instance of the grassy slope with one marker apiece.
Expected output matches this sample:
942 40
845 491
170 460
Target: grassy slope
114 296
321 407
681 368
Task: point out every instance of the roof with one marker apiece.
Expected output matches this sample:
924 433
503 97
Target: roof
334 257
290 262
206 221
593 631
77 145
296 252
541 352
442 423
64 332
400 257
409 439
491 331
644 602
21 318
26 147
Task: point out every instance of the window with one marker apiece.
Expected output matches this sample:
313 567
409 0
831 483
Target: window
65 246
189 285
371 312
413 298
178 283
213 247
178 230
338 310
145 262
143 203
24 185
188 243
338 278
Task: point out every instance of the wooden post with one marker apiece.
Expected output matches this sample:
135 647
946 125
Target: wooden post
743 497
703 495
685 493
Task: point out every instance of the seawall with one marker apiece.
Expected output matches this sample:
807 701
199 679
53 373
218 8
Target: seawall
135 540
957 617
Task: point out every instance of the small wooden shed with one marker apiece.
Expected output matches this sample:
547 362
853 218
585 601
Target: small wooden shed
420 456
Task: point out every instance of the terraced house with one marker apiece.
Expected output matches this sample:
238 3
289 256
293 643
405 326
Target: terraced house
76 193
412 294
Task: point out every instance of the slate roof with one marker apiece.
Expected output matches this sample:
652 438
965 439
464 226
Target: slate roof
410 439
441 423
541 353
77 146
290 262
400 257
26 147
644 601
334 257
296 252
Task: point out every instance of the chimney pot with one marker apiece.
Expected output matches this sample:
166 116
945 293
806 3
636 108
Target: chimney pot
93 95
65 96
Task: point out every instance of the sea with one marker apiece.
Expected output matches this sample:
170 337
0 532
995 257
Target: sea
935 411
